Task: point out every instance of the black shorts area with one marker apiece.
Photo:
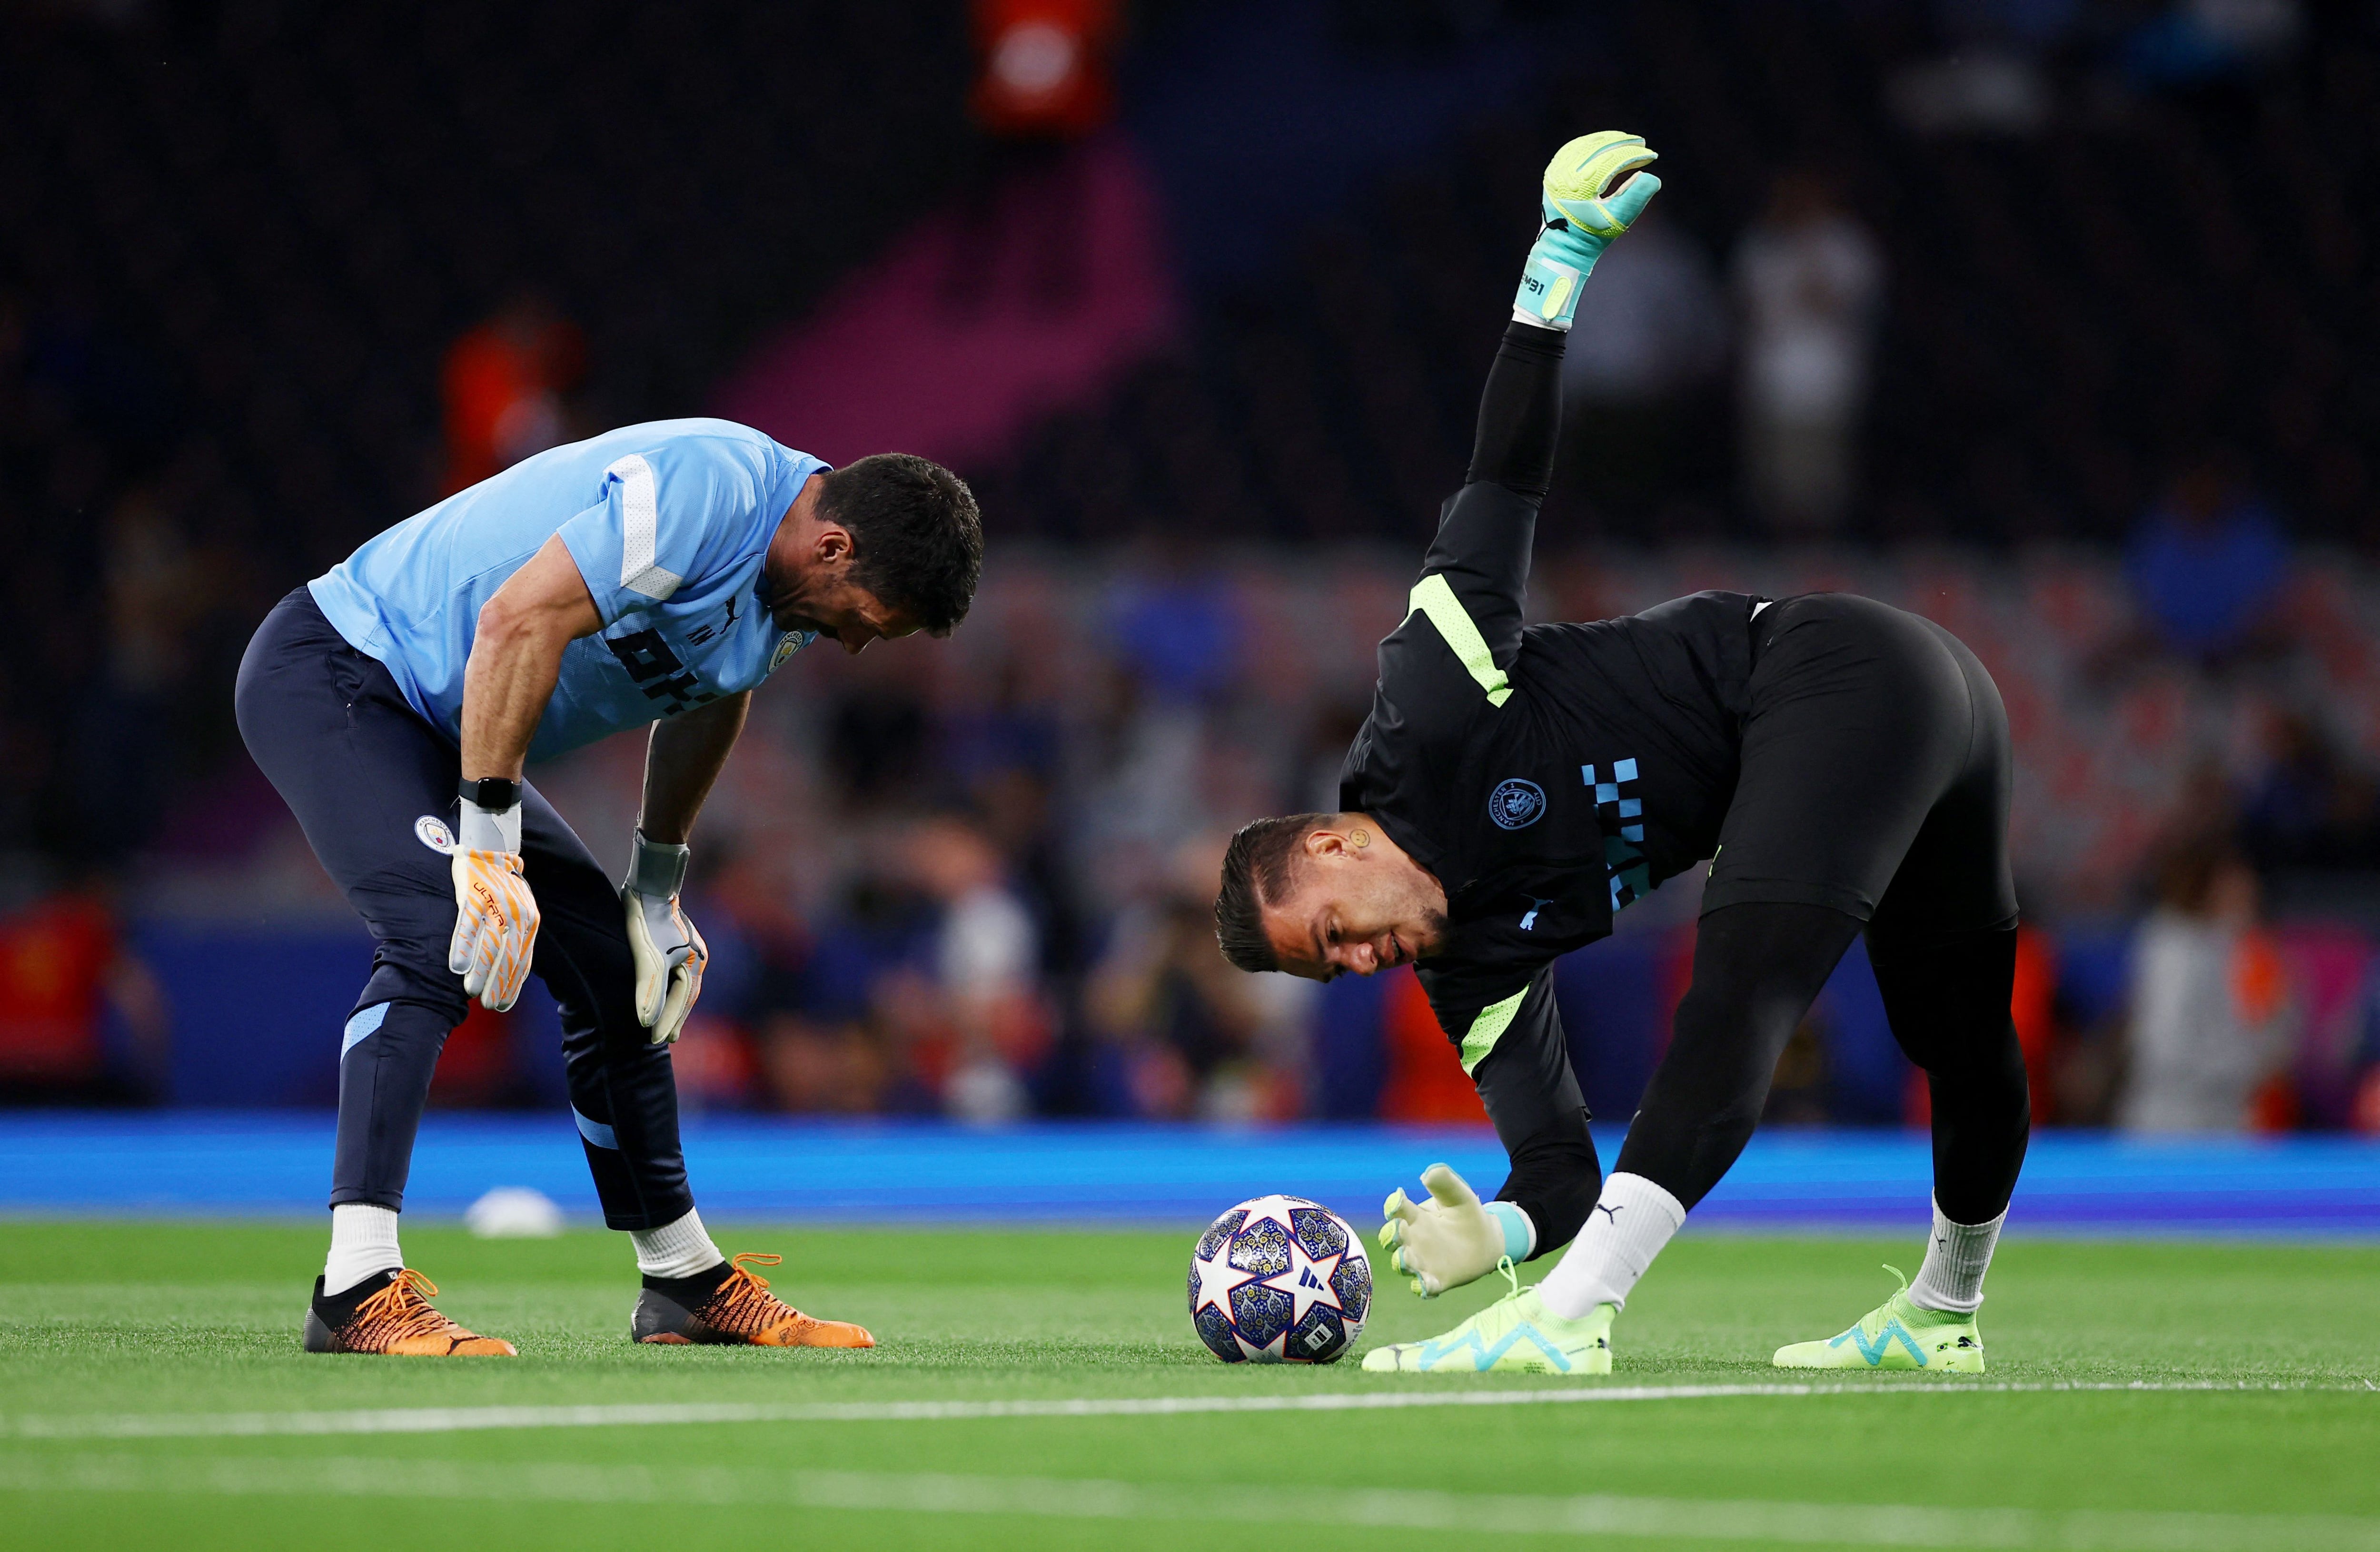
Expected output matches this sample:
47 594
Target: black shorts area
1874 775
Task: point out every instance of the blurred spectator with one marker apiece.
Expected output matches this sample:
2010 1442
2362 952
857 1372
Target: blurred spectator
2198 43
986 964
1810 280
2211 1014
1199 1038
1651 334
857 1029
503 384
2310 808
65 977
2206 563
877 742
1045 67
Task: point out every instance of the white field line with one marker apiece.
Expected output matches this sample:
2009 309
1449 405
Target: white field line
453 1420
1077 1498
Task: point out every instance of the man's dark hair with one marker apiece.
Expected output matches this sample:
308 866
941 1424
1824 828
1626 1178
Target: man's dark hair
1256 872
917 538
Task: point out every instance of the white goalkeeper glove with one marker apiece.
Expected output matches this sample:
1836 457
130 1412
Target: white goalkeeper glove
670 955
1452 1238
495 915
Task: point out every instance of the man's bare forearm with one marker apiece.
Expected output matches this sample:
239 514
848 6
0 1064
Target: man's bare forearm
509 679
517 659
682 759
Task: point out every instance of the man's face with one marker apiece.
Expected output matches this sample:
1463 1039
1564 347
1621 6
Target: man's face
1354 909
845 613
820 596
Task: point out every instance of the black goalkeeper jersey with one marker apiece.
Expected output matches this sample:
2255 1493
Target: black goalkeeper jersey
1547 775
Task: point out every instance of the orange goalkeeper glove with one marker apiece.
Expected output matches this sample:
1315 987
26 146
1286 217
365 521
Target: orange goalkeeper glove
496 915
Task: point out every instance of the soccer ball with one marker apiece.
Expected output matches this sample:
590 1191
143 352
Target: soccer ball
1279 1280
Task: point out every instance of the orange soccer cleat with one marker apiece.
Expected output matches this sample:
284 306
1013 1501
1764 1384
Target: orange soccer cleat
390 1313
738 1308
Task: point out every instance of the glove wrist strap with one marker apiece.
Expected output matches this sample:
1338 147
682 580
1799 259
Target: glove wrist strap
487 830
656 870
1520 1233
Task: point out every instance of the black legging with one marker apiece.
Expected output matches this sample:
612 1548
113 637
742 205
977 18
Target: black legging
1757 968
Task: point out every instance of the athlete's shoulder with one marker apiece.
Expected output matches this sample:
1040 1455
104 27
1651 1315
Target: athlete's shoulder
701 438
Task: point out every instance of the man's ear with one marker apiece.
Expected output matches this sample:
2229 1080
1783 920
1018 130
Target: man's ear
832 546
1326 842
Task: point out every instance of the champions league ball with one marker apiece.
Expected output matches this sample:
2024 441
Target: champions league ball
1279 1280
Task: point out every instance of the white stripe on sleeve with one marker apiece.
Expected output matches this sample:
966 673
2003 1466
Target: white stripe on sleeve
639 530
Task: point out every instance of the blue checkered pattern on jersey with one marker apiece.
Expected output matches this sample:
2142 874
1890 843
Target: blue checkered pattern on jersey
1621 820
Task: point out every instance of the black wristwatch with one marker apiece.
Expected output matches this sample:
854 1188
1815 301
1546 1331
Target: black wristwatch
491 793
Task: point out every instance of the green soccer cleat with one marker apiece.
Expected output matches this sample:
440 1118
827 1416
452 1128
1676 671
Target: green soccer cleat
1515 1335
1593 192
1897 1334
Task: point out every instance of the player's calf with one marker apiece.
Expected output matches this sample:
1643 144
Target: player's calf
730 1305
390 1313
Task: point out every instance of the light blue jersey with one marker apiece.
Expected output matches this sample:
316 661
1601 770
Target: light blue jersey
669 523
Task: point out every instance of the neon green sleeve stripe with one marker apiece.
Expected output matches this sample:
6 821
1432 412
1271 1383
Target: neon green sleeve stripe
1488 1028
1432 597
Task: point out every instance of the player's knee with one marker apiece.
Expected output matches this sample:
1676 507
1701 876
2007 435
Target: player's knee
404 978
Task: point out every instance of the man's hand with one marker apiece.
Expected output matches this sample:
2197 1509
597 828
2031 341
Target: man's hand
669 954
1451 1239
496 915
1593 192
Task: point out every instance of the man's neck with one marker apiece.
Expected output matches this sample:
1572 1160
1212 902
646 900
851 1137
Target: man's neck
781 565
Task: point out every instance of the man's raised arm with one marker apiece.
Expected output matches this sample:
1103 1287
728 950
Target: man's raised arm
1478 568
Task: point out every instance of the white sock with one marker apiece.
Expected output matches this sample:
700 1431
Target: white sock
677 1249
363 1241
1631 1222
1953 1277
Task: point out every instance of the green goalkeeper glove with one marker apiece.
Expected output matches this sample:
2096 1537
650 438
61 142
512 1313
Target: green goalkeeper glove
1453 1238
1583 212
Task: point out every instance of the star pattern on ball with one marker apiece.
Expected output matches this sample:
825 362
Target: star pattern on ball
1278 1207
1217 1278
1273 1351
1307 1281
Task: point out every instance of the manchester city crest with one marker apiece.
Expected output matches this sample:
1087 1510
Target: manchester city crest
1516 804
792 642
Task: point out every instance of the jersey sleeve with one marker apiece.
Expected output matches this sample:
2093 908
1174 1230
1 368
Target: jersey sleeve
669 514
1477 1004
1476 577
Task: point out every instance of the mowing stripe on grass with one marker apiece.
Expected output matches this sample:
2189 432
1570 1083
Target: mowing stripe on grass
455 1420
1064 1499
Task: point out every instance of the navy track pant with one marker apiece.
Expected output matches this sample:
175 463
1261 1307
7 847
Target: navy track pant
362 769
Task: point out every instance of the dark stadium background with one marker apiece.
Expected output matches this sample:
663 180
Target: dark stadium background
1206 336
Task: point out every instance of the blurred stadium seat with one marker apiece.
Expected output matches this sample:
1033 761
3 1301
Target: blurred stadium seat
264 229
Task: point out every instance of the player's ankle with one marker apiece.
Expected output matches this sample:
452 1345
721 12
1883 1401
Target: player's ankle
692 1290
680 1248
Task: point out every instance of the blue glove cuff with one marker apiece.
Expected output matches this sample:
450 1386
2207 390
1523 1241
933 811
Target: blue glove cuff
1520 1234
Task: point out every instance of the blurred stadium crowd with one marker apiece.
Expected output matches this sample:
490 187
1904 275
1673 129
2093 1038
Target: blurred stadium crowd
2050 319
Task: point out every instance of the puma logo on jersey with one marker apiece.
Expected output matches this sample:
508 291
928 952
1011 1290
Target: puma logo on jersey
1529 922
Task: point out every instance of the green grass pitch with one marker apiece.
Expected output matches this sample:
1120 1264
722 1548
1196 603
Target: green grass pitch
107 1328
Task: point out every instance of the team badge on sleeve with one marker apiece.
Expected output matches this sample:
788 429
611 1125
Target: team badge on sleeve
1516 804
